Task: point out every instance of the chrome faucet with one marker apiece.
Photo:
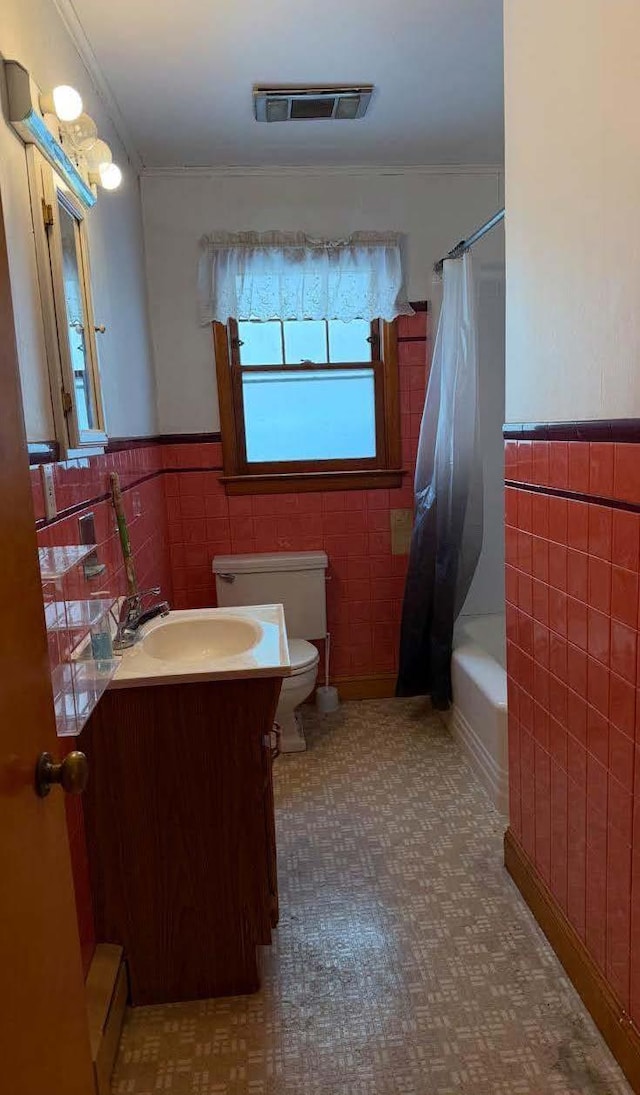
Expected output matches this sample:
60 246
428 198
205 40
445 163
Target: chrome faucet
132 617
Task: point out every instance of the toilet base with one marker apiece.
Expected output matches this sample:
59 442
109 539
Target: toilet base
292 739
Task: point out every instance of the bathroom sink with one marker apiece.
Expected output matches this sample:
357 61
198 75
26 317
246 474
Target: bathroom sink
195 639
207 644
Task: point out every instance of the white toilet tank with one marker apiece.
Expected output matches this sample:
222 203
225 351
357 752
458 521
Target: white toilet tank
295 579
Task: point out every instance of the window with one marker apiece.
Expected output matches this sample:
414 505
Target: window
65 285
308 404
305 345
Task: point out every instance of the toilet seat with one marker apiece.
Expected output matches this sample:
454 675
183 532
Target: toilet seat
303 656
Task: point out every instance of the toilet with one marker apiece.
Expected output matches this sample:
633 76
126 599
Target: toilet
297 581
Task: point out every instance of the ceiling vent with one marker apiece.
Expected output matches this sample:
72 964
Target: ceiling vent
288 104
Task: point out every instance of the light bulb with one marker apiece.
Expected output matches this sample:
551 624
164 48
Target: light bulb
110 175
67 103
82 133
99 153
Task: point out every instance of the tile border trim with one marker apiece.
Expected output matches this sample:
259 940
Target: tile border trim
119 444
620 430
48 452
573 496
78 507
104 496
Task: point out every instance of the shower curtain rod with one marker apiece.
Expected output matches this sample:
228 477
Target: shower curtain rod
464 245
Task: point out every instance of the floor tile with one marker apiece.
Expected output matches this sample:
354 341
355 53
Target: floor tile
405 962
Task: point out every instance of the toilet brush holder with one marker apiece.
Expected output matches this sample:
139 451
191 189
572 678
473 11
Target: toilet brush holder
327 699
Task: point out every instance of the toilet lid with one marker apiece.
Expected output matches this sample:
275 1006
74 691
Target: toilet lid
302 654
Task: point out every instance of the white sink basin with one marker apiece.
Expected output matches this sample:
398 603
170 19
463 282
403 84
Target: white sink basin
207 644
200 639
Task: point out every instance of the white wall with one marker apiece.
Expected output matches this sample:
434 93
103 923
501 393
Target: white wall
572 86
32 32
434 209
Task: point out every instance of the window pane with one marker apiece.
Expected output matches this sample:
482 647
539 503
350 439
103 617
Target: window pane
261 342
348 341
305 340
317 415
76 322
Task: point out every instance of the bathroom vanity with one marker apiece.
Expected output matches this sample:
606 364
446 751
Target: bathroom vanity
179 808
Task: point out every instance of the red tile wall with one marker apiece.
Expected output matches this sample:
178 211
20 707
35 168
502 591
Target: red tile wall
572 589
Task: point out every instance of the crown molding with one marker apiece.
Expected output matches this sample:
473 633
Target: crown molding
281 170
77 33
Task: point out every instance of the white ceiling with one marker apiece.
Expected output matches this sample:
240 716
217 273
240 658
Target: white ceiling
182 71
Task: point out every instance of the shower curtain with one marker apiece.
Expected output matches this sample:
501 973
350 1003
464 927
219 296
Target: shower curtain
447 534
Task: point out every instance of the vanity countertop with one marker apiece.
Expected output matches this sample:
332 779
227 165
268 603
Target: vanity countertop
207 644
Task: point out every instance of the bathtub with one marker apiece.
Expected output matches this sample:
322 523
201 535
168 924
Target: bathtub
478 716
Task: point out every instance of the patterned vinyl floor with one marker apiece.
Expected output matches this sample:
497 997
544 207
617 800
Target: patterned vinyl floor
405 962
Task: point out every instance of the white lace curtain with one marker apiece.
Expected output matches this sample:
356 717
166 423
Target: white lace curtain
277 275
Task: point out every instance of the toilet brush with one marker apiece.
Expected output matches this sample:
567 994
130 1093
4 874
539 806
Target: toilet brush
327 699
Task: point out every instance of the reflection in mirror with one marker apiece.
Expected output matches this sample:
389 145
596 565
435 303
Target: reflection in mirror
76 316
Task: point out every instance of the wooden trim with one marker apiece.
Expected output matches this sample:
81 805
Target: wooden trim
36 166
106 992
302 482
612 1021
620 430
312 367
379 687
383 470
62 199
225 398
392 394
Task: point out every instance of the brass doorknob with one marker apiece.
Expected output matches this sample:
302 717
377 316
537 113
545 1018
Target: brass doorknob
72 773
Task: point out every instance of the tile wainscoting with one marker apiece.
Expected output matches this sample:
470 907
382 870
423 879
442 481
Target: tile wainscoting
180 517
572 590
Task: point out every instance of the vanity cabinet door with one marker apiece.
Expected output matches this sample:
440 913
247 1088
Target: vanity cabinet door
179 816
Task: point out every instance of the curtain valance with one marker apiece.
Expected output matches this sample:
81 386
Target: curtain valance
276 275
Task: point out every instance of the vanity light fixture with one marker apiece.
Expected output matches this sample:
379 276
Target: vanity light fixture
66 137
64 101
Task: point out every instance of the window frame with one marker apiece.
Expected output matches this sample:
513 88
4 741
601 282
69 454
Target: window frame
242 477
47 190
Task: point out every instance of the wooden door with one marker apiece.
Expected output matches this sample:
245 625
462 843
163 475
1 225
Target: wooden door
44 1039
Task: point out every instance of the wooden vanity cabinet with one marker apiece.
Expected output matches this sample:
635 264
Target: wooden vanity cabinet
181 833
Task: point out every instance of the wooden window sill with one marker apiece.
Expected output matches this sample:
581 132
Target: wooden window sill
295 482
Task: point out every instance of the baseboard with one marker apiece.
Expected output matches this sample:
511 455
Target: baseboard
611 1019
494 779
367 688
106 993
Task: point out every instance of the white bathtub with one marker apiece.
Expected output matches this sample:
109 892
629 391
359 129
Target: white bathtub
478 717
